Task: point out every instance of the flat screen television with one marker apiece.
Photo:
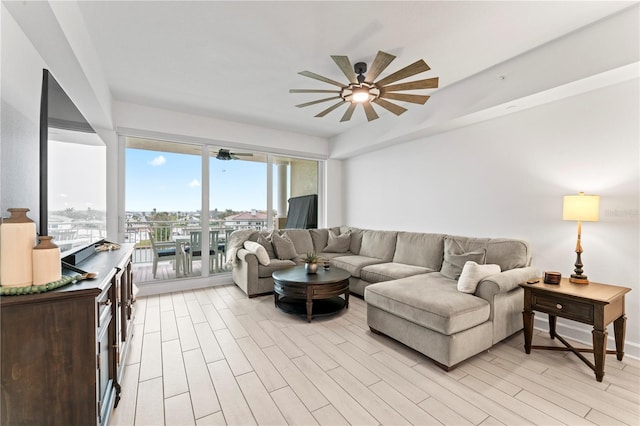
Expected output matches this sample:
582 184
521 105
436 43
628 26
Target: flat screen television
73 184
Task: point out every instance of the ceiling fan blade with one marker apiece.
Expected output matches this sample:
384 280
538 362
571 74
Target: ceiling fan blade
349 112
328 110
396 109
413 69
345 66
242 154
312 91
429 83
369 111
321 78
379 64
414 99
317 102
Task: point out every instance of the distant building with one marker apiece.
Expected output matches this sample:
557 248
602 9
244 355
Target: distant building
245 220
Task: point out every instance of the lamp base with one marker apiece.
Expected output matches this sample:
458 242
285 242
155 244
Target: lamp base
579 279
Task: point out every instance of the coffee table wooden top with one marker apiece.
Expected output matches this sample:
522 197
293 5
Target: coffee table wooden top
298 275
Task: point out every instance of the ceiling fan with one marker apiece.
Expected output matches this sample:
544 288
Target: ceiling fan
363 89
224 154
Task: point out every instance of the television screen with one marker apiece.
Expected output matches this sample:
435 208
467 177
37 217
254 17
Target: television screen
73 164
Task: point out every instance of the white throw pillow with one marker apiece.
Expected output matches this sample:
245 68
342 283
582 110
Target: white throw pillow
472 274
259 251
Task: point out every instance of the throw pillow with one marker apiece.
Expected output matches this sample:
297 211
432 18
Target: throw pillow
453 263
472 274
338 243
265 241
259 251
283 246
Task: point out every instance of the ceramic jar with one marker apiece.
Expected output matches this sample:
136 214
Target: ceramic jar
46 262
17 239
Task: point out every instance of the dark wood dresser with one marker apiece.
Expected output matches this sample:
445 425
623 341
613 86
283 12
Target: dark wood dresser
62 352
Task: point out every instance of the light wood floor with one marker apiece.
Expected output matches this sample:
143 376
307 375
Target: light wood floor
213 356
143 272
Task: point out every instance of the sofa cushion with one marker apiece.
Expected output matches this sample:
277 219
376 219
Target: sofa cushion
472 274
379 244
431 301
283 246
391 271
319 238
454 262
327 255
338 243
413 248
356 238
259 251
508 253
265 271
301 240
264 239
353 263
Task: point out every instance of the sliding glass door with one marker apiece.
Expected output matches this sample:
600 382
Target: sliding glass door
163 206
292 178
183 201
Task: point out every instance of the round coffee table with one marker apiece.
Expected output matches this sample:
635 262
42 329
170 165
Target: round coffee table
297 292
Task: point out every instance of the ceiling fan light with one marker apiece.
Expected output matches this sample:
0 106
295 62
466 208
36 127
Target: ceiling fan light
360 95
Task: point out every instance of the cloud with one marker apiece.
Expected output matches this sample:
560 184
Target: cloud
194 183
158 161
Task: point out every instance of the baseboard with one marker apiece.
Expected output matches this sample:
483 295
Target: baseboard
152 288
582 333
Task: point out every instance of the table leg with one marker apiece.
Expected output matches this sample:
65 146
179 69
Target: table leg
599 351
527 319
619 327
346 299
309 309
552 326
275 298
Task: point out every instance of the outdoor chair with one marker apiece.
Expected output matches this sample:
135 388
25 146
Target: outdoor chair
194 249
163 249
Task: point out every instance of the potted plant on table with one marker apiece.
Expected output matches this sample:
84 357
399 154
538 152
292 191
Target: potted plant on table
311 262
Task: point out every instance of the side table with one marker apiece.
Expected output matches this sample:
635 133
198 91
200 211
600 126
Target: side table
594 304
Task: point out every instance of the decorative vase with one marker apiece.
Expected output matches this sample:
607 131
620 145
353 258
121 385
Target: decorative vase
46 262
17 238
311 268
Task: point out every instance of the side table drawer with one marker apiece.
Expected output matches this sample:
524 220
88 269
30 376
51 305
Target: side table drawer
565 308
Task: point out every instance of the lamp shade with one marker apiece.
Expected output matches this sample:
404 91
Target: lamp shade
581 207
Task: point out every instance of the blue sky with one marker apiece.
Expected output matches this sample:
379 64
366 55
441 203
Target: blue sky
172 182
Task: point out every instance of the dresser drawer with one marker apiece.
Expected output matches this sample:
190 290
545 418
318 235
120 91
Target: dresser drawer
565 308
103 303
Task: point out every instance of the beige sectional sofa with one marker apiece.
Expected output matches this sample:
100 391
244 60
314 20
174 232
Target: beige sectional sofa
410 283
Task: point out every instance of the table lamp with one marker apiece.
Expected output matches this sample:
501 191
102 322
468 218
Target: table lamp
581 208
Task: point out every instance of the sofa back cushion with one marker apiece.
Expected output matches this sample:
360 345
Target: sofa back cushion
379 244
319 238
301 239
413 248
508 253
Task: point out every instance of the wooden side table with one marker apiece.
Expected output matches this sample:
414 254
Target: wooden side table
594 304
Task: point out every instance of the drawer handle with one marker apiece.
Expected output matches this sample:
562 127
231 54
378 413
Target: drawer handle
106 302
558 306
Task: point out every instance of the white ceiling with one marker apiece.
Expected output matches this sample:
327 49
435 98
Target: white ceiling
237 60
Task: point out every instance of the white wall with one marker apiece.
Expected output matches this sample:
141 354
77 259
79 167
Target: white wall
19 138
506 178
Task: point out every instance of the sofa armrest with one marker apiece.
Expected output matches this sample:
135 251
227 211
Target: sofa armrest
245 271
504 281
246 256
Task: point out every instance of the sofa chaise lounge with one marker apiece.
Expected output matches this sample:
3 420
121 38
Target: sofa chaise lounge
410 282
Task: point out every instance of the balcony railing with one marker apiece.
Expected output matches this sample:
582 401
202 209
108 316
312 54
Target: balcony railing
138 232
